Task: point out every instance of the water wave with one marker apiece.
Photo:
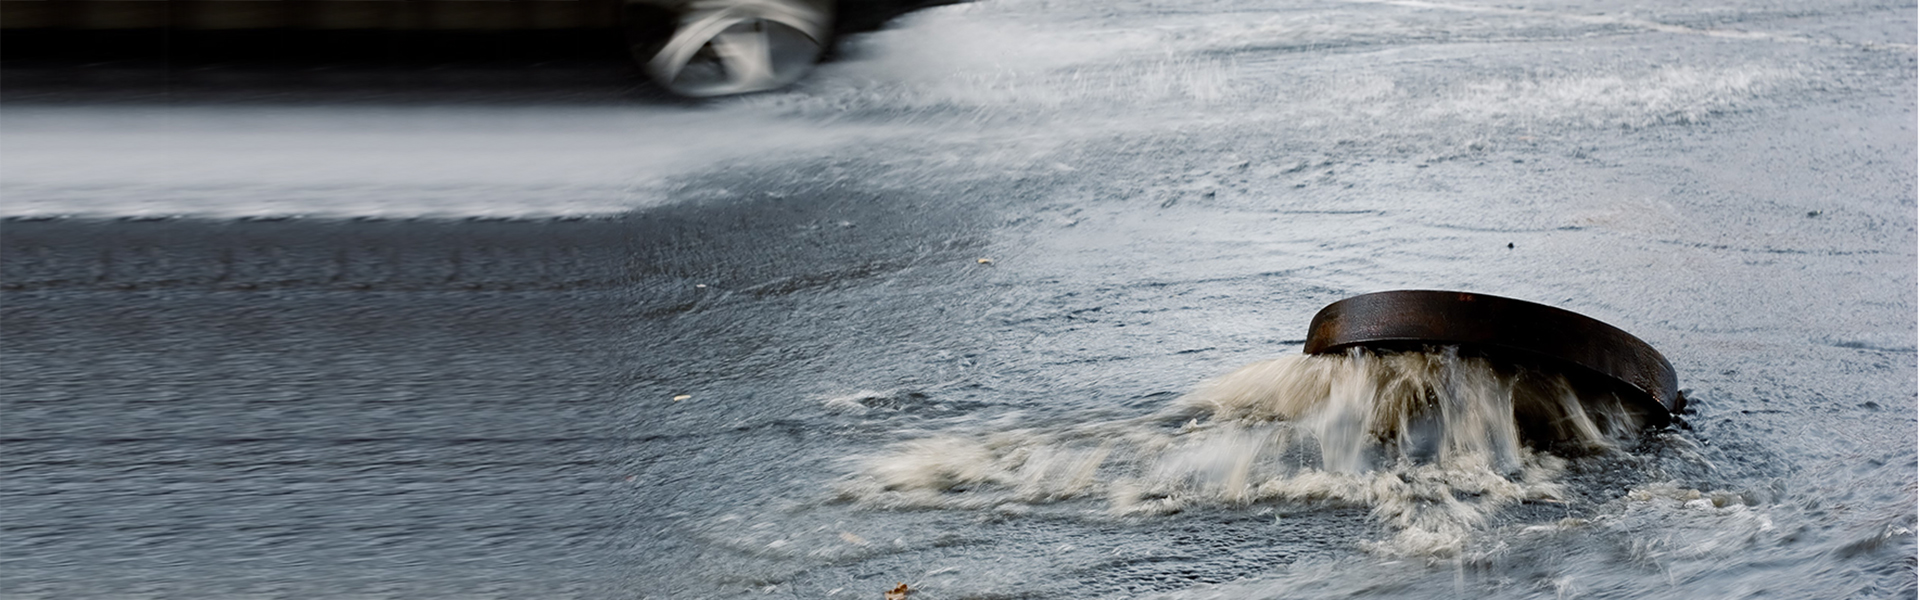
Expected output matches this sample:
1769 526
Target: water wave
1434 443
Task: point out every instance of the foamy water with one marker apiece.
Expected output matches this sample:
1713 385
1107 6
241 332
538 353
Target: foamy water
1434 444
393 162
1166 190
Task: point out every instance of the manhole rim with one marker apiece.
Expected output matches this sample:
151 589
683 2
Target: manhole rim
1516 329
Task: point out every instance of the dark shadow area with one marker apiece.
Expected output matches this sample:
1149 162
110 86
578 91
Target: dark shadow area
574 65
571 66
861 16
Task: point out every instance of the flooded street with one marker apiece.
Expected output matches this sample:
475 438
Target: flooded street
933 315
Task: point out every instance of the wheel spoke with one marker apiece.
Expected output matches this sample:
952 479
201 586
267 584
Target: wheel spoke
739 46
747 55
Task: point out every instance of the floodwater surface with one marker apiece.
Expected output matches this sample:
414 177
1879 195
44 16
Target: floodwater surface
956 312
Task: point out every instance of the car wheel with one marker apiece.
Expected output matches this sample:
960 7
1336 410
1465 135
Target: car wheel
721 47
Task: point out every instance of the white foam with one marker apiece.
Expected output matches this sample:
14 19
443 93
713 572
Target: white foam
1430 442
397 162
854 403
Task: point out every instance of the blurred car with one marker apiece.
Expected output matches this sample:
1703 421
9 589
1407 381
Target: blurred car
719 47
694 48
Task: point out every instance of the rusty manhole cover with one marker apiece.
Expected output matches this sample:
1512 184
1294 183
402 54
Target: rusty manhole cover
1514 330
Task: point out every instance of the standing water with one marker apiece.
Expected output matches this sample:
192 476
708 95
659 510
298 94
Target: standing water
943 314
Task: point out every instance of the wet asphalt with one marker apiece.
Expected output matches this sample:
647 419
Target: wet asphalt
262 378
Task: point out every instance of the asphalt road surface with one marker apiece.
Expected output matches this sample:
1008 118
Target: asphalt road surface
325 334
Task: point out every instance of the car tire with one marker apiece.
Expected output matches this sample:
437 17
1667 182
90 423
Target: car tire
708 48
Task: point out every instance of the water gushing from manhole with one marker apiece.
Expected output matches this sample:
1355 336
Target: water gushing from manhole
1433 443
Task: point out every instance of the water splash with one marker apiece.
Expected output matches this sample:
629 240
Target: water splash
1433 443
